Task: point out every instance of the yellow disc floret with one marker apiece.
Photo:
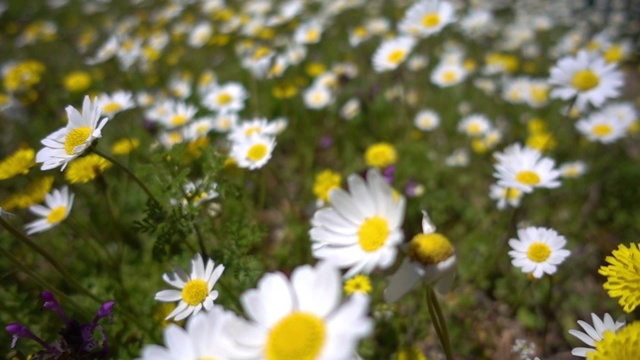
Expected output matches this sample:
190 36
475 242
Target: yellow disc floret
298 336
257 152
431 20
585 80
57 214
75 138
195 291
538 252
430 249
373 233
358 284
528 177
326 181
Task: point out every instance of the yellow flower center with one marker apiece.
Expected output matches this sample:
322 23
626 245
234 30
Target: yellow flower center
111 107
56 215
224 98
298 336
538 252
539 94
195 291
511 193
373 233
430 249
257 152
601 130
313 35
178 119
431 20
528 177
396 56
75 138
474 129
585 80
252 130
449 76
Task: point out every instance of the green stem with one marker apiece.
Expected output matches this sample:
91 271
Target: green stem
547 312
129 172
41 282
434 317
444 339
23 238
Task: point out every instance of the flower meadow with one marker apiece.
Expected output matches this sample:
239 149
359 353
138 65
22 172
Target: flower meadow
307 179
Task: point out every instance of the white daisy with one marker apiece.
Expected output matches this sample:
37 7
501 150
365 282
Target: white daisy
350 109
253 152
71 141
624 112
302 318
426 120
391 53
361 229
586 77
538 251
308 33
458 158
317 97
445 75
226 98
196 290
594 333
247 129
177 114
602 128
200 34
525 168
58 206
573 169
430 258
205 337
225 121
504 195
116 102
427 17
474 125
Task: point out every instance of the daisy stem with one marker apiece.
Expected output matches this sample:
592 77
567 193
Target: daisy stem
443 334
203 249
129 172
20 236
547 313
40 281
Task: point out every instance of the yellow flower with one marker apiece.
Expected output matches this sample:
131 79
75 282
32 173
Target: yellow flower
541 141
17 163
33 194
77 81
22 76
380 155
85 169
125 146
410 352
284 91
325 182
315 68
621 345
358 284
623 276
536 125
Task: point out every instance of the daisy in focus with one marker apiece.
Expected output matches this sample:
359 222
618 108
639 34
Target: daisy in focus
525 169
623 276
362 228
58 206
302 317
587 78
196 289
538 251
594 333
430 258
73 140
